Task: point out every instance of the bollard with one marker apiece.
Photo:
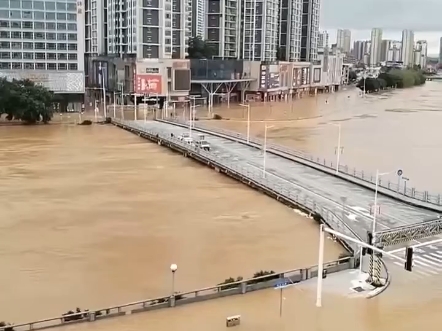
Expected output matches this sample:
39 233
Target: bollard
172 301
243 288
91 316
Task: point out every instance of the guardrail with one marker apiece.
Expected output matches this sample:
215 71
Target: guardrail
363 178
273 186
208 293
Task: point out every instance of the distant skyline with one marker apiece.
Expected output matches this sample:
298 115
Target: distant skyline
431 37
393 16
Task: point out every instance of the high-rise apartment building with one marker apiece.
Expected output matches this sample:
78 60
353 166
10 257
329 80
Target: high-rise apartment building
394 51
323 40
440 50
360 49
290 29
223 27
150 29
310 30
420 53
408 47
376 43
343 40
43 40
198 18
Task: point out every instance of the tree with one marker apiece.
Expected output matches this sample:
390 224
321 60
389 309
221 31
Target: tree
393 78
200 49
24 101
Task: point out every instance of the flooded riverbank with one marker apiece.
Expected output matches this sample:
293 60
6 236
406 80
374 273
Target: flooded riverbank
94 216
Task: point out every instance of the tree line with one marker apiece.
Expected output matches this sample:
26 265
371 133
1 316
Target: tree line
23 100
393 78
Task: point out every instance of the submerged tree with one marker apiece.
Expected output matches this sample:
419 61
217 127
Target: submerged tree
25 101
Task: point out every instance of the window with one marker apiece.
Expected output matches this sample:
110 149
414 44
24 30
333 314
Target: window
39 25
16 24
4 4
17 55
39 5
72 36
27 25
39 35
72 27
61 16
51 36
72 47
28 56
16 65
71 7
40 56
26 4
5 65
40 66
17 35
50 16
5 34
51 46
62 66
51 66
61 36
29 66
15 3
4 24
50 26
15 14
51 56
62 56
39 15
15 45
72 56
50 5
61 47
5 44
5 55
72 17
61 6
40 46
61 26
26 15
73 66
28 45
4 13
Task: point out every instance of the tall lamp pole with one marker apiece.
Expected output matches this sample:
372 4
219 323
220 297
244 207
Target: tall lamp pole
265 149
248 120
173 268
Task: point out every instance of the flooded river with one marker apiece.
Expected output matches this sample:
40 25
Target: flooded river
94 216
398 129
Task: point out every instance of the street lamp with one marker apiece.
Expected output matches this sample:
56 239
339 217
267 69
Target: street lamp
378 174
248 120
265 149
173 268
338 149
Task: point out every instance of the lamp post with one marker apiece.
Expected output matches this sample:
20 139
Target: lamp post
115 104
173 268
405 184
339 149
248 120
265 149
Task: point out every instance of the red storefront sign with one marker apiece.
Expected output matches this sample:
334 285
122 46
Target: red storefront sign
148 84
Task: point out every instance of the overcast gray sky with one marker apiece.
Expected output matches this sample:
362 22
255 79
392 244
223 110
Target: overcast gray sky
422 16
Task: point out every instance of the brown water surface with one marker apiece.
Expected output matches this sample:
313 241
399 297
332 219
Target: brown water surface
396 129
93 216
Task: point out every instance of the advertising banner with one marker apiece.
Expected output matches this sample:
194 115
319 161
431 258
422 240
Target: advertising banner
148 84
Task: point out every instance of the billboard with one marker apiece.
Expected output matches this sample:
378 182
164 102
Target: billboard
148 84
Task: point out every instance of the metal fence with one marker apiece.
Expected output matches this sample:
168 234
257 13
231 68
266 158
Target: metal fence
275 184
360 175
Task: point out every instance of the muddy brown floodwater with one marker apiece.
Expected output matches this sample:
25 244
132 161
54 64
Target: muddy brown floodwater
93 216
396 129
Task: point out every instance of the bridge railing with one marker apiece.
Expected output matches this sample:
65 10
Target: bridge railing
364 176
273 183
198 295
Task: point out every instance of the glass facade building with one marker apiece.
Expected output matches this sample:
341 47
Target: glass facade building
41 35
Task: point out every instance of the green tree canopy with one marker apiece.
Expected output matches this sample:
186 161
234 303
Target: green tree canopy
200 49
393 78
24 101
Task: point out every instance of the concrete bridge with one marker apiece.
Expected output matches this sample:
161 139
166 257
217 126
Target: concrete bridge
350 193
